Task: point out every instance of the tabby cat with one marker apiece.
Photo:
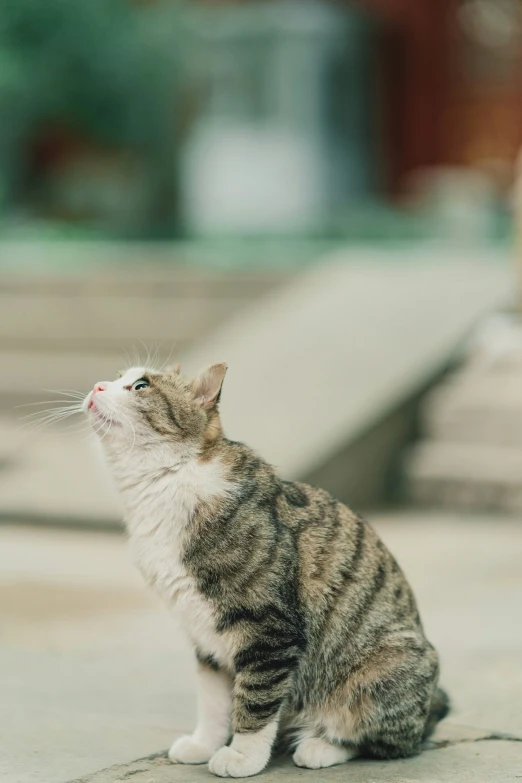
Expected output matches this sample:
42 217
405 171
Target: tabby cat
302 623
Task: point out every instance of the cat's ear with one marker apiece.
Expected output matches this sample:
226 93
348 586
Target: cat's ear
207 386
174 369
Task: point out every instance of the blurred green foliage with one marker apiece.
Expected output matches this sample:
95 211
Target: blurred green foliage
107 69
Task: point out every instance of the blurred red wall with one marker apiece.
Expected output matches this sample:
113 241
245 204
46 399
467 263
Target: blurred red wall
452 92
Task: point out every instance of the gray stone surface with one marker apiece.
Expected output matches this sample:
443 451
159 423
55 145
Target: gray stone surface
465 762
93 672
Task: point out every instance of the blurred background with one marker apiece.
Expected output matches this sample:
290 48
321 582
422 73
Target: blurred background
384 119
323 194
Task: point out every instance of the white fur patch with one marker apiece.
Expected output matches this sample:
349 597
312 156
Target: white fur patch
161 485
316 753
159 503
335 725
214 707
214 716
247 755
187 750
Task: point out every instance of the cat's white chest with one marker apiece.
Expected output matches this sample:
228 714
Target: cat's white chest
158 557
157 515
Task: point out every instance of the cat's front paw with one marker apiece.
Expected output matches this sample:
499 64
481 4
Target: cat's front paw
185 750
230 763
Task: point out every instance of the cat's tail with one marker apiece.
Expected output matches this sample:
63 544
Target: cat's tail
440 707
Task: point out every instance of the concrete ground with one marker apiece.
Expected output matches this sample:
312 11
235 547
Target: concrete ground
94 674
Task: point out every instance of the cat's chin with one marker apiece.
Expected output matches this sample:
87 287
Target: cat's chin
100 418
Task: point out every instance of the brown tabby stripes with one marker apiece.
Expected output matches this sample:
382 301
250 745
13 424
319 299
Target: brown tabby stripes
325 622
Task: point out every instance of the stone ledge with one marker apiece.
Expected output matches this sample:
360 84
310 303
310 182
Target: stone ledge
464 754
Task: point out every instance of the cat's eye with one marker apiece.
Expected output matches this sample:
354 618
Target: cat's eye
140 384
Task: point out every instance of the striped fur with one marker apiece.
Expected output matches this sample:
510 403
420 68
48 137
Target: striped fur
303 624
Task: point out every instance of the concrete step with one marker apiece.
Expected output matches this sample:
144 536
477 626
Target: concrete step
476 408
62 329
324 374
472 476
471 454
85 322
106 310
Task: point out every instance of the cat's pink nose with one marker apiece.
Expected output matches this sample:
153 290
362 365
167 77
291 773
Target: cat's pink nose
99 387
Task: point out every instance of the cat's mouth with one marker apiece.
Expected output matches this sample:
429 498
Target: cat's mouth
90 407
109 420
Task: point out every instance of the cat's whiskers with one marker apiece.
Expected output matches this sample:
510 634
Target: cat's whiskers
81 425
66 392
91 429
156 356
147 360
167 360
152 357
38 424
73 408
42 402
99 428
127 356
105 432
60 409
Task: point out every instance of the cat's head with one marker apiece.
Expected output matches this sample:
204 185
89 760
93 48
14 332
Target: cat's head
144 405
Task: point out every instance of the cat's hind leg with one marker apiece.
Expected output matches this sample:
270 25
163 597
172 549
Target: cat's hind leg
398 704
316 753
313 747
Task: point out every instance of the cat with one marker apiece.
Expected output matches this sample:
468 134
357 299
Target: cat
302 623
